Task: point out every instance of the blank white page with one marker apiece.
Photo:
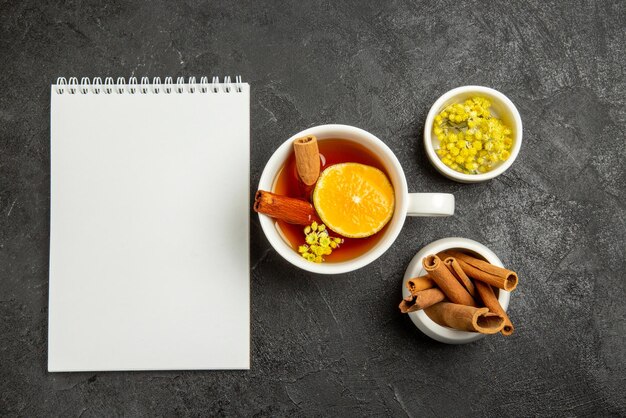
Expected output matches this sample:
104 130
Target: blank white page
149 254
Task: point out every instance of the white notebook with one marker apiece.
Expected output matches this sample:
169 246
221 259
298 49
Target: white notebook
149 243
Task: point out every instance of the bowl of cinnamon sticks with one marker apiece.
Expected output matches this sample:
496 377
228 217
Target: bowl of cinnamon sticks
456 290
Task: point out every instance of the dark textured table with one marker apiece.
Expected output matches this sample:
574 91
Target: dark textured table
338 345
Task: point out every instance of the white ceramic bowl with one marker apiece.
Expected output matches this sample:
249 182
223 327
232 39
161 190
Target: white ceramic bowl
502 107
415 269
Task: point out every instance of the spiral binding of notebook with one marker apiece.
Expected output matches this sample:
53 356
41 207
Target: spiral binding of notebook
144 86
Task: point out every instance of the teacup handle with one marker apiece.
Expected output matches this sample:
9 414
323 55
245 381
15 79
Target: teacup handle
430 204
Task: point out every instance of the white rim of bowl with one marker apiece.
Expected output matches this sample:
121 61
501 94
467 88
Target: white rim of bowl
430 149
288 253
415 268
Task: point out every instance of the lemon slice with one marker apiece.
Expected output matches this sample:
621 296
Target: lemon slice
354 200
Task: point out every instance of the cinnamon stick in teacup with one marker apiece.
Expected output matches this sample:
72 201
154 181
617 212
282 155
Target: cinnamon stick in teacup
491 301
307 159
457 271
421 300
465 318
448 284
288 209
417 284
503 273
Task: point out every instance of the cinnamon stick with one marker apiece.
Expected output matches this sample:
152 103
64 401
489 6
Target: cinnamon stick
491 301
417 284
465 318
428 297
446 281
485 266
408 304
288 209
443 255
459 274
307 159
507 283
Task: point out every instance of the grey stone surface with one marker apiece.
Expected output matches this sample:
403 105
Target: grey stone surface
338 345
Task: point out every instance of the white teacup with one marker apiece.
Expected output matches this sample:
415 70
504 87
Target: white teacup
411 204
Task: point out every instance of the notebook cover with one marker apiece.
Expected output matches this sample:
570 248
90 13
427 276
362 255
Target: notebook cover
149 242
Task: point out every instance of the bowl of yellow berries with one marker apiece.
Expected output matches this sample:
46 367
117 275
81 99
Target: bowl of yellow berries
472 134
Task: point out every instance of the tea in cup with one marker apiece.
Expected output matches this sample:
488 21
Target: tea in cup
346 153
